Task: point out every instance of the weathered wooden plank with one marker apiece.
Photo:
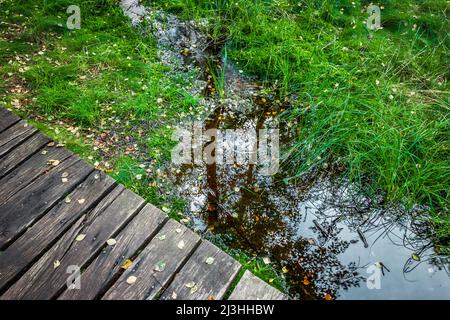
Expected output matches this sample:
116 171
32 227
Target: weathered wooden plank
253 288
29 171
28 205
43 280
167 252
32 244
97 278
22 153
15 135
210 269
7 119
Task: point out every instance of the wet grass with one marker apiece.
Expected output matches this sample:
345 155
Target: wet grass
375 103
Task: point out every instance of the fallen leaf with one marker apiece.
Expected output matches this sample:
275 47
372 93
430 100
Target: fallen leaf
306 281
44 152
67 200
80 237
138 176
211 297
271 280
111 242
81 201
328 296
53 162
64 180
285 270
160 266
131 279
194 289
50 144
56 264
266 260
162 237
415 257
174 295
190 284
126 264
65 175
181 244
209 260
178 230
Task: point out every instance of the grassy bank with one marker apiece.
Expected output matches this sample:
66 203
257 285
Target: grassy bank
102 92
376 103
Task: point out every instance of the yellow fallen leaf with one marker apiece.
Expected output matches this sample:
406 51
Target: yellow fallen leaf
56 264
328 296
194 289
131 279
181 245
285 270
80 237
53 162
126 264
209 260
111 242
190 284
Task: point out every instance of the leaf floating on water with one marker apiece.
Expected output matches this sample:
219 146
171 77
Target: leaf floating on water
162 237
194 289
174 295
56 264
209 260
415 257
80 237
190 284
111 242
126 264
266 260
181 245
131 279
160 266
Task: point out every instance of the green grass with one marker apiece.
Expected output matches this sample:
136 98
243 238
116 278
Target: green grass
377 103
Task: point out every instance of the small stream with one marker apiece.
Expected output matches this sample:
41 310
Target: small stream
331 239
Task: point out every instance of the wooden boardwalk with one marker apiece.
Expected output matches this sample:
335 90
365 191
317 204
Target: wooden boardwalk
59 218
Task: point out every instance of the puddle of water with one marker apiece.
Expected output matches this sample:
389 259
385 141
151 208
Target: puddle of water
328 235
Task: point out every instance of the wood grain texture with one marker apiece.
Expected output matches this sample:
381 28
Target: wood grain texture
25 207
7 119
108 265
22 153
30 170
15 135
43 280
33 243
251 287
150 281
211 280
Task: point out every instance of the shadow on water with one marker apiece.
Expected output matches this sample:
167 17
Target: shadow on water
332 240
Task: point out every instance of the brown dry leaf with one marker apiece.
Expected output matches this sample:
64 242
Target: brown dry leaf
306 281
51 144
211 297
328 296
